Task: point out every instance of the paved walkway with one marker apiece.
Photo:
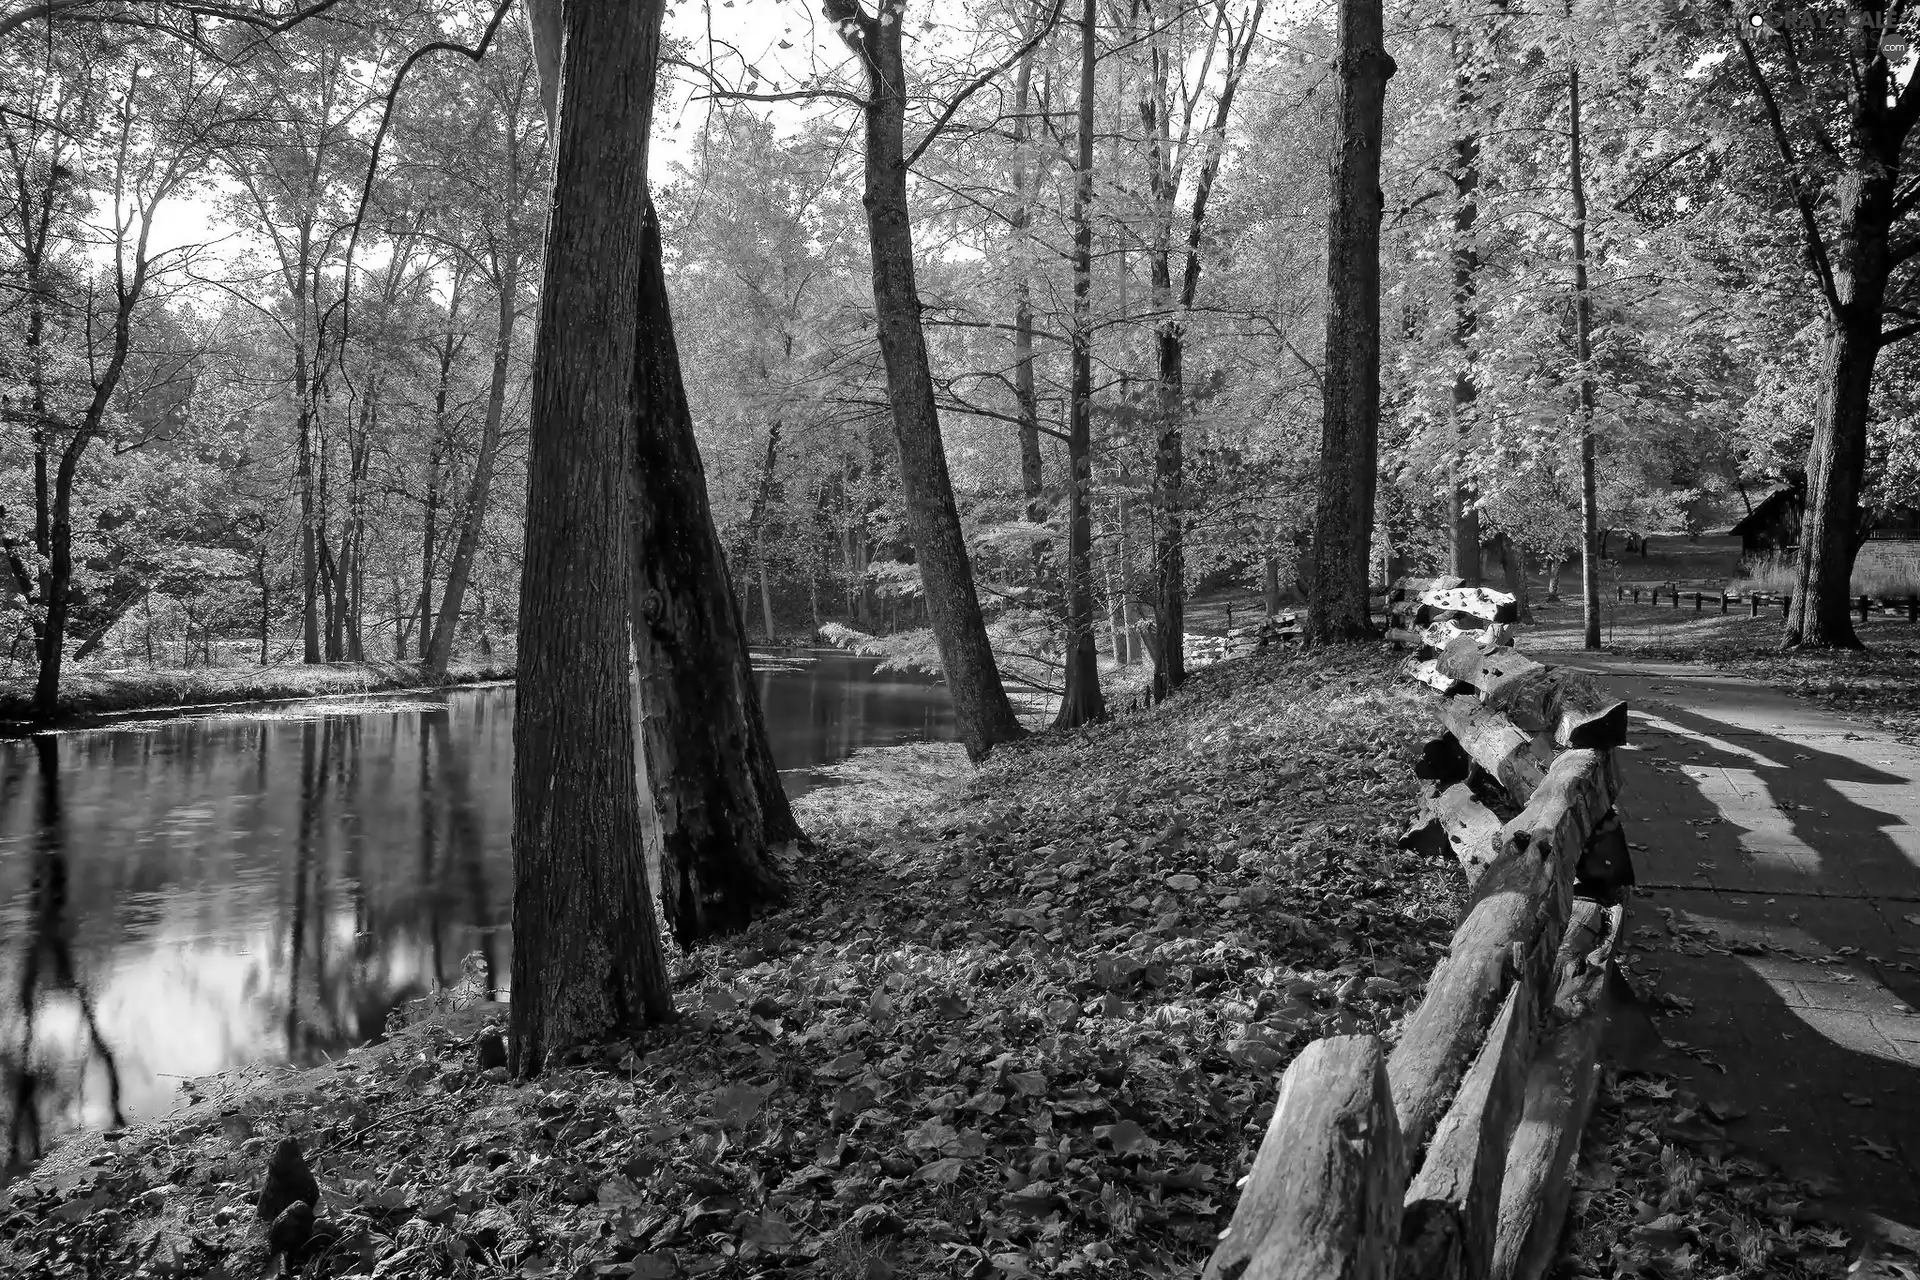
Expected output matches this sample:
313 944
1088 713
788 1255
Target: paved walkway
1778 852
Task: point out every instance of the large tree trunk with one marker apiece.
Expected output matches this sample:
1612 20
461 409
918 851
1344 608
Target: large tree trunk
1851 269
1830 531
1082 701
709 772
698 743
474 516
1583 349
1350 415
587 963
982 712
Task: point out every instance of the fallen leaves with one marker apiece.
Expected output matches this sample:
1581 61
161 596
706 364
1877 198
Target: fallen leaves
994 1030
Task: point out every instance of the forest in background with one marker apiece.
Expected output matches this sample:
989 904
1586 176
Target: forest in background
276 389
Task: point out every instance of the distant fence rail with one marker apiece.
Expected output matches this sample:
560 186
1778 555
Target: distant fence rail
1448 1157
1755 601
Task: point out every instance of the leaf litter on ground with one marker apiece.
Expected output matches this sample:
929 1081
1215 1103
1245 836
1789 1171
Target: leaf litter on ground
1025 1020
1020 1021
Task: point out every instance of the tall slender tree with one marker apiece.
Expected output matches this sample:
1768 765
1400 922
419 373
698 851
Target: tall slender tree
1337 581
1583 352
985 716
1168 153
1081 701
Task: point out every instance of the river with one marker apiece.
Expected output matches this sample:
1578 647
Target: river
261 885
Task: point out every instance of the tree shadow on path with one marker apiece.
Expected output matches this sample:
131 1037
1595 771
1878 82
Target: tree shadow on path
1777 898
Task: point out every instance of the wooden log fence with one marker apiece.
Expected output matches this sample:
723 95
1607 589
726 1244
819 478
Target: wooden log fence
1450 1156
1892 606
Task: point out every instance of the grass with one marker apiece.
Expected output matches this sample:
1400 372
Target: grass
1879 685
1020 1020
93 692
1882 582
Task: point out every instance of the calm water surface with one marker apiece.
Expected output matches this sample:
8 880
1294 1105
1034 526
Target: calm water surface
182 896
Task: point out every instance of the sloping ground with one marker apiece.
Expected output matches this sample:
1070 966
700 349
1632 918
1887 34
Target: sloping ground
1025 1020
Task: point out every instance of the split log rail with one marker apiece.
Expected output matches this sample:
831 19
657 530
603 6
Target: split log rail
1448 1156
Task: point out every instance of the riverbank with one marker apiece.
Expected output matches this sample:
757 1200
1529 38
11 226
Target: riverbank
86 693
1024 1019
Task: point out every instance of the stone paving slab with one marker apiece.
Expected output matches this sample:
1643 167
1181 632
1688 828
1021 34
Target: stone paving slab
1778 851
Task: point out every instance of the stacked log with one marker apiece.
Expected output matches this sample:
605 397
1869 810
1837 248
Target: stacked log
1490 1086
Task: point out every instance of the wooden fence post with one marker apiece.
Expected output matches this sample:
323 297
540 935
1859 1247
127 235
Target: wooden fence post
1323 1200
1559 1094
1723 602
1696 601
1453 1206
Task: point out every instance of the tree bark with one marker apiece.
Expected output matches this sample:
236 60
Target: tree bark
1169 586
1466 560
983 714
1851 271
1032 478
1082 701
429 552
57 582
1583 350
1337 581
310 513
587 963
762 496
1830 532
709 769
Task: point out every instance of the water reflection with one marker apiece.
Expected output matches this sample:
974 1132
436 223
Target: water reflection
182 896
46 971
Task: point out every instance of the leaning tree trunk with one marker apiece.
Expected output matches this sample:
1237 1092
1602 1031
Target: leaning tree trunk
685 616
587 963
1082 701
982 712
1350 406
701 713
439 651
